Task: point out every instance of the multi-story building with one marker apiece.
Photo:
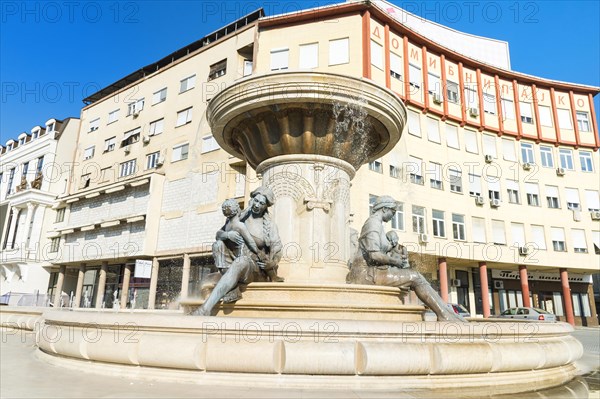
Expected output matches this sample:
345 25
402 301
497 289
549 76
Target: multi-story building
497 171
33 168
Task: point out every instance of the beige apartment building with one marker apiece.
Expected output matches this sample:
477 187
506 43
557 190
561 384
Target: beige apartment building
497 171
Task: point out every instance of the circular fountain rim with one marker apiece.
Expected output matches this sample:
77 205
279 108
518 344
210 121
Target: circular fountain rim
287 87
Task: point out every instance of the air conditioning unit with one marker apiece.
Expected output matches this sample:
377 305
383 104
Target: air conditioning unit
127 149
136 114
160 161
479 200
455 282
560 171
527 166
499 284
146 139
495 203
523 251
489 159
595 215
423 238
437 98
473 112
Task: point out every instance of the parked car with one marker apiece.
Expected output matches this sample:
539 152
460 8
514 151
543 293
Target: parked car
536 314
459 309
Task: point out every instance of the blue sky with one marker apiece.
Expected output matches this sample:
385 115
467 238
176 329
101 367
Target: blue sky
55 53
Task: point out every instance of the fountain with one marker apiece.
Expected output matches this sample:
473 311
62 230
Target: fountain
306 134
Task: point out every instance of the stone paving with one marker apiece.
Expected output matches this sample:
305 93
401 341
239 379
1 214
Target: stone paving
24 375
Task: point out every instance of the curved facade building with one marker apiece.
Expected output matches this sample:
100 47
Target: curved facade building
497 171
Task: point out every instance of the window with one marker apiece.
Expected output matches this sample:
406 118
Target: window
474 185
94 125
489 145
592 200
418 219
339 51
180 152
209 144
583 122
433 84
40 164
435 181
398 219
109 144
537 234
452 136
439 229
135 107
376 54
566 158
217 70
471 98
394 172
309 56
60 215
247 68
564 119
479 230
159 96
572 196
545 116
88 153
452 92
579 301
187 84
22 140
433 130
498 234
50 127
372 199
489 104
414 124
494 189
156 127
546 155
130 137
508 109
415 168
35 135
415 76
512 189
458 227
55 244
11 178
527 153
526 116
579 244
113 116
471 141
376 166
558 239
396 66
184 117
533 194
518 234
586 161
508 150
152 160
552 197
85 180
127 168
107 174
455 180
279 59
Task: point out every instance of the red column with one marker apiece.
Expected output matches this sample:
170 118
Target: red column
485 298
564 280
443 268
524 285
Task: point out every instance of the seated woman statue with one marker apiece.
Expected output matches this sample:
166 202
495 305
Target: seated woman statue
240 265
376 264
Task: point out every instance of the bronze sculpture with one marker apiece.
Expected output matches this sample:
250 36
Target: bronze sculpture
377 262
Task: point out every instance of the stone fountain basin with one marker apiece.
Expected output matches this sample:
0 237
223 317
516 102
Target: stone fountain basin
306 353
286 113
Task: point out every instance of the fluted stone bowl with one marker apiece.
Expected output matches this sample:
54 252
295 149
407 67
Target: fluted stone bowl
286 113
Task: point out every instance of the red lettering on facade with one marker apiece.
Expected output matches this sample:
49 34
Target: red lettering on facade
433 62
487 83
541 95
395 43
414 54
505 89
580 103
450 70
376 32
525 94
468 77
561 100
